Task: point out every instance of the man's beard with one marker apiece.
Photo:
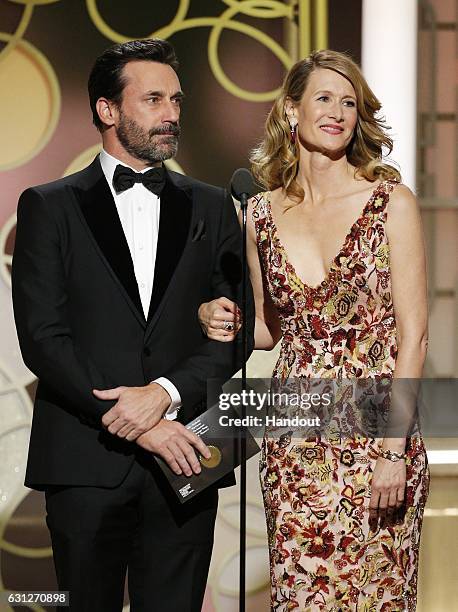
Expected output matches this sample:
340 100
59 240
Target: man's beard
147 145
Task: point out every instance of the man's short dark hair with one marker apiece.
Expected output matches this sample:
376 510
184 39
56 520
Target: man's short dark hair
106 79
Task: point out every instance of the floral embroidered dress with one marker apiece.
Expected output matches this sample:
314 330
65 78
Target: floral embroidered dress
323 554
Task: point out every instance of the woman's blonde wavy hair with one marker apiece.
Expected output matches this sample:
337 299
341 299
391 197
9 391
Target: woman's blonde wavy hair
275 161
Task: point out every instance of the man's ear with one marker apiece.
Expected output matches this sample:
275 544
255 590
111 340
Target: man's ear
107 111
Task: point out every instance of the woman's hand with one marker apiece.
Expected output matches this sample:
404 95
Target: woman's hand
220 319
387 492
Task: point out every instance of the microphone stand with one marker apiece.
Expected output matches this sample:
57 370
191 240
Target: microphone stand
242 568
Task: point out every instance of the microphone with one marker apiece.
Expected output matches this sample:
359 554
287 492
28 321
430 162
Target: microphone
242 186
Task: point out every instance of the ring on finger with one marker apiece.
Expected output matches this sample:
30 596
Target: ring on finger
228 326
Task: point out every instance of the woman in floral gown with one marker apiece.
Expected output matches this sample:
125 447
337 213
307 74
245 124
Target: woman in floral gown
337 265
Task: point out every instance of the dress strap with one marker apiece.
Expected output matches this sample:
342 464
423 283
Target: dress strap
260 206
380 198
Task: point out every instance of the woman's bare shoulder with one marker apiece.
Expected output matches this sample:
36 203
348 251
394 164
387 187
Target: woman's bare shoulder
402 201
403 212
402 193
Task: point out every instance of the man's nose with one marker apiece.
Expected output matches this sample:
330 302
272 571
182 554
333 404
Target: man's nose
171 112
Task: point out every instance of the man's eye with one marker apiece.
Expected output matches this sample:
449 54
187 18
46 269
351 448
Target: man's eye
153 99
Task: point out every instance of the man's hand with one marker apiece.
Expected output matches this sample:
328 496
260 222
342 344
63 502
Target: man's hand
175 444
137 410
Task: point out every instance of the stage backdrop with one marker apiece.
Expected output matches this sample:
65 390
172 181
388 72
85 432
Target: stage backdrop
233 55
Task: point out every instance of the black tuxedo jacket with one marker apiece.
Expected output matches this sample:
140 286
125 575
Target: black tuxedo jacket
80 322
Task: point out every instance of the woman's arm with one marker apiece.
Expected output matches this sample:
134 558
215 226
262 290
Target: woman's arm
267 326
409 294
214 314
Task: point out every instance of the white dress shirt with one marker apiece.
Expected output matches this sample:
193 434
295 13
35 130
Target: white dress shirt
139 212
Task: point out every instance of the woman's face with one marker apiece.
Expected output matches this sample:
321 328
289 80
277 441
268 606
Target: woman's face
327 113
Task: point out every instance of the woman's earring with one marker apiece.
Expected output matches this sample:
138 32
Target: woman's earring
293 130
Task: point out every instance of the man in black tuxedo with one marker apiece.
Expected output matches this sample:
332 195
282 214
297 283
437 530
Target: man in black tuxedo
109 269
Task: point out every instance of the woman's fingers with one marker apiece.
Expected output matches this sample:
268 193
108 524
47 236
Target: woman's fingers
392 498
383 501
373 508
384 506
218 334
227 321
387 492
225 326
392 505
226 304
220 319
221 314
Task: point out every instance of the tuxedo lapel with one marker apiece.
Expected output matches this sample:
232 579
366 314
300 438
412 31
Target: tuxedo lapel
99 211
174 225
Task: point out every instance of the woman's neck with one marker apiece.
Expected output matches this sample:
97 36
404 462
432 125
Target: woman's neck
321 176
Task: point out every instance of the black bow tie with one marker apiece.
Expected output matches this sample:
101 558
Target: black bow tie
125 178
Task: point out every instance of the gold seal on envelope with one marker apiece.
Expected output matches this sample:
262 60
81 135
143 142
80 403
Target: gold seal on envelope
215 458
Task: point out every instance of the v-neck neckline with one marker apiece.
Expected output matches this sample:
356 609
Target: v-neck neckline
335 263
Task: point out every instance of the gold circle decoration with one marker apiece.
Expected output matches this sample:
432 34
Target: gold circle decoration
31 103
17 493
83 160
19 33
5 258
173 165
116 37
34 2
276 9
268 9
273 9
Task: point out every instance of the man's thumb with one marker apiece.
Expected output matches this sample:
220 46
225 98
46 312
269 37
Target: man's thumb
108 394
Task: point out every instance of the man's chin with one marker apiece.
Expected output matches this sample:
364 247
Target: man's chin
163 153
158 153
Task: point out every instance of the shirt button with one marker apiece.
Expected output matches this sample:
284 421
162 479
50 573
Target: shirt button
140 246
139 209
142 285
146 351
